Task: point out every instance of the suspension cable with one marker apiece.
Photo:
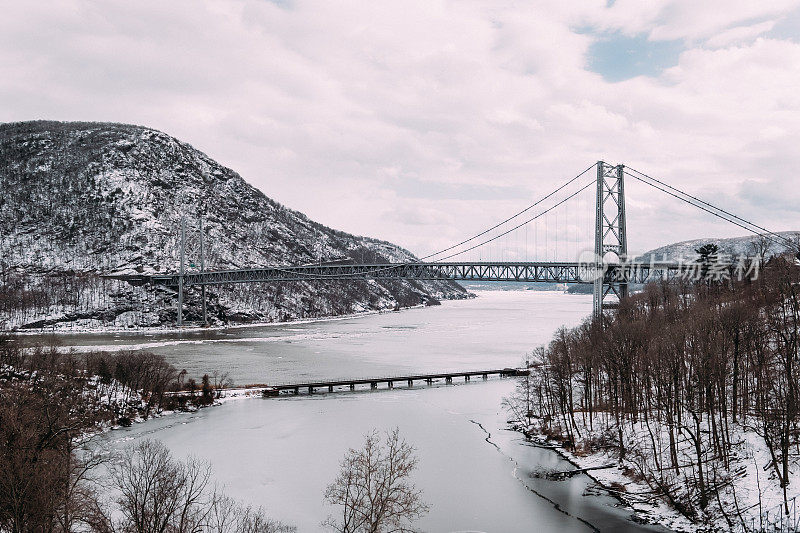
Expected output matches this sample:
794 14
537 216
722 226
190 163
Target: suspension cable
534 204
740 219
355 275
522 223
734 222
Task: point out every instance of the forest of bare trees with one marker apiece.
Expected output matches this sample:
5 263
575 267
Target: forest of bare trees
673 380
51 405
56 476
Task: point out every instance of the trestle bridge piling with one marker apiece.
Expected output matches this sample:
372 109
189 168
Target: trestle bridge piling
350 384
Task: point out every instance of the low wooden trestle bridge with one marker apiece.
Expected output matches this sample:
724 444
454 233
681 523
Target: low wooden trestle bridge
330 386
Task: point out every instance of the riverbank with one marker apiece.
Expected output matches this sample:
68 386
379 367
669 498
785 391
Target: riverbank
745 494
613 476
692 387
100 330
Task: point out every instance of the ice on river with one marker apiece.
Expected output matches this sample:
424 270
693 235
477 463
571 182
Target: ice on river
476 475
494 330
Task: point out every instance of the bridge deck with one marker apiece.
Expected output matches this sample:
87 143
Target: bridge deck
310 386
530 272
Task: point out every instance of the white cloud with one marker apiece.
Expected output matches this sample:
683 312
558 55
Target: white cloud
331 108
688 19
739 34
682 19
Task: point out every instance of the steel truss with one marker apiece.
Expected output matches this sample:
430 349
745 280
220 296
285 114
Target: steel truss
530 272
610 233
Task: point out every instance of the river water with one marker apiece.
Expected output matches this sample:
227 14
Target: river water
281 453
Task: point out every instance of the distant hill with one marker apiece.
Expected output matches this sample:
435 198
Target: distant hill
80 200
734 246
685 250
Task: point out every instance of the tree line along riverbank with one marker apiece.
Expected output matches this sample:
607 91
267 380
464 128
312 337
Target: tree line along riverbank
52 406
691 388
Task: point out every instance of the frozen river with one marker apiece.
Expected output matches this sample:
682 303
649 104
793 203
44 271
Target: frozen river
281 453
494 330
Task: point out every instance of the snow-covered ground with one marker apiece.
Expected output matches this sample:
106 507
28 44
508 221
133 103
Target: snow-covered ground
99 327
733 247
748 487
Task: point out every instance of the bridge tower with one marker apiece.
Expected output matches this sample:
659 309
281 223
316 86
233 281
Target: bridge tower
610 234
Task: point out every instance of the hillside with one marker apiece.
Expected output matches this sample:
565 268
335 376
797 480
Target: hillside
734 247
81 200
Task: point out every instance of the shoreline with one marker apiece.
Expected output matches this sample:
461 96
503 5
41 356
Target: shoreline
651 508
654 515
166 330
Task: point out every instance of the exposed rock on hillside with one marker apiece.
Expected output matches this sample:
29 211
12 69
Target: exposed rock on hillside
80 200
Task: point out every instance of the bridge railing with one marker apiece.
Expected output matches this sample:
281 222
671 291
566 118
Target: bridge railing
531 272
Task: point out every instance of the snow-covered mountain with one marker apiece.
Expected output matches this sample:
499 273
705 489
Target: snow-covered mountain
80 200
734 247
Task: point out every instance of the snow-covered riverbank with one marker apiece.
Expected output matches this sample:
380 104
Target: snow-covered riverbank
745 497
71 328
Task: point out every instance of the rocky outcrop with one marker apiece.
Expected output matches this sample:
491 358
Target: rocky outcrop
82 200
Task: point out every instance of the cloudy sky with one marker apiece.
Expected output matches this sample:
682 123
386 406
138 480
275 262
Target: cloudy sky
422 122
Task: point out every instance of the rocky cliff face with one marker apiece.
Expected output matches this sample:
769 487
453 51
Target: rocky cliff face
80 200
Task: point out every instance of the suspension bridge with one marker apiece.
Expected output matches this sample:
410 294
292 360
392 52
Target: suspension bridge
607 267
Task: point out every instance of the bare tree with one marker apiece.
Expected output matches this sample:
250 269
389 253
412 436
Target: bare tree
44 482
227 516
795 247
373 490
760 248
521 402
159 494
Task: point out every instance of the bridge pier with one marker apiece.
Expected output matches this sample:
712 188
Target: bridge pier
373 385
448 379
330 388
485 377
311 390
429 381
352 386
410 383
466 378
391 384
297 390
182 272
